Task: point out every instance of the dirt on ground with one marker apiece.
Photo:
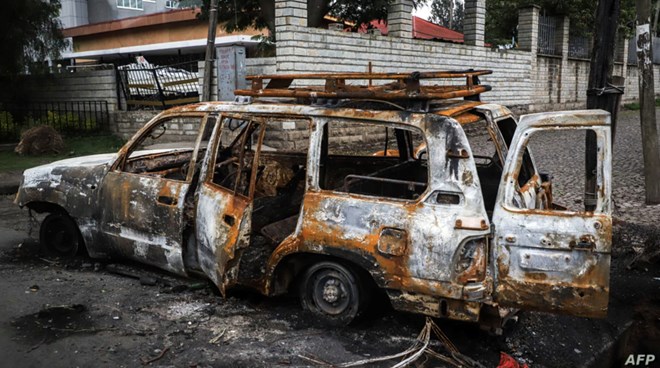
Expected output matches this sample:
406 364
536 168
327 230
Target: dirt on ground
81 312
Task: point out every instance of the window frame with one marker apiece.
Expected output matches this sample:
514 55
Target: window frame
130 4
522 147
204 118
171 4
316 156
260 129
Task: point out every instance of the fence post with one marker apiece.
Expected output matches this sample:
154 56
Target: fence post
474 25
561 44
160 89
399 19
290 13
528 29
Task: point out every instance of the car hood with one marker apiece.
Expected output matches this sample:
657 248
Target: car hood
61 182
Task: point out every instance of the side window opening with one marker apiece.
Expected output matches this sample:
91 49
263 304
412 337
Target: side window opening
166 150
232 166
508 129
373 160
488 163
563 188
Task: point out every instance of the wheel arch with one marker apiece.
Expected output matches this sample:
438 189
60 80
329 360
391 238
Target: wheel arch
54 208
48 207
289 269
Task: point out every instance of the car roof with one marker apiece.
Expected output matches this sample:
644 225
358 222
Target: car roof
461 110
404 98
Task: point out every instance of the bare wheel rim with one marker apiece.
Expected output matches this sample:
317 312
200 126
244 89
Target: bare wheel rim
330 291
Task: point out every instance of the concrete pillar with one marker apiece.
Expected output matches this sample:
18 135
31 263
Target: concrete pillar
624 57
528 28
561 44
474 24
399 19
561 38
290 13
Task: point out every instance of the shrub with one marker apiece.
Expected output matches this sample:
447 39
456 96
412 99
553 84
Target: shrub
65 122
8 127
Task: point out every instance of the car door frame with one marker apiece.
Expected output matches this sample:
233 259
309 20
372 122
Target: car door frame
550 259
224 216
163 246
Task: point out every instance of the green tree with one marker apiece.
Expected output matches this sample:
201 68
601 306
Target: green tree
30 34
240 15
502 16
448 13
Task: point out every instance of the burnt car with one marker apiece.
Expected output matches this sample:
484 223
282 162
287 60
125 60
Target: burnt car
341 191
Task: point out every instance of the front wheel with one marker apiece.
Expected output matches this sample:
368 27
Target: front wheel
59 233
333 292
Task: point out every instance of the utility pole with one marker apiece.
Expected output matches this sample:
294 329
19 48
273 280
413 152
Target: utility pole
602 93
451 14
650 144
210 51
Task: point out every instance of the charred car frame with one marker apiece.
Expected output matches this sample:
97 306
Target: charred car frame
443 231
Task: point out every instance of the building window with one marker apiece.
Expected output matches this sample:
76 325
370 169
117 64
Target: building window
130 4
172 4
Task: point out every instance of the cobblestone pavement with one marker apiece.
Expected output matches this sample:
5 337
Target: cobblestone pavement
561 154
564 159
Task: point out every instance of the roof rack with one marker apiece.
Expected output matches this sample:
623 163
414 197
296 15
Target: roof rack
404 86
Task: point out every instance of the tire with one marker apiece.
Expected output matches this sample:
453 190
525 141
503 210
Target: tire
59 234
333 292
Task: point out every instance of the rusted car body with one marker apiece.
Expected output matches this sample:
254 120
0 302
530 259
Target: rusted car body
444 233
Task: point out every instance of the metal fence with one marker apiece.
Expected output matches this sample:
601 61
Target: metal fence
548 35
579 47
159 87
632 51
67 117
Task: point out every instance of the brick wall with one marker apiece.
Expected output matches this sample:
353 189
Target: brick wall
126 123
79 86
254 66
553 92
302 49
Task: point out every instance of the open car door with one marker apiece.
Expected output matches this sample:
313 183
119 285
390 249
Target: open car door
224 202
546 257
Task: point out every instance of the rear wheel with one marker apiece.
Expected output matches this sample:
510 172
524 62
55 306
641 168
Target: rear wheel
333 292
59 233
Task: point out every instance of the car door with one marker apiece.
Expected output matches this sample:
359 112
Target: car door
224 198
546 257
143 195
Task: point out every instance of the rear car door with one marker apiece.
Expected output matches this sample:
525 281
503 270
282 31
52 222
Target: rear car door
546 257
224 198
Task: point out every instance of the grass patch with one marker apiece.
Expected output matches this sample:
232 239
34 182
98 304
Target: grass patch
635 105
75 146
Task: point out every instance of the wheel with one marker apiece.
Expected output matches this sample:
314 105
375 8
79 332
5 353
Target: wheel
333 292
60 234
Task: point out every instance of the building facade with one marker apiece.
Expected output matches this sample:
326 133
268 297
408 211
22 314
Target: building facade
76 13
